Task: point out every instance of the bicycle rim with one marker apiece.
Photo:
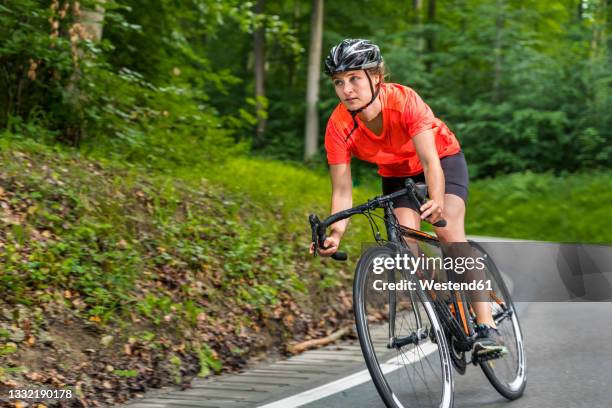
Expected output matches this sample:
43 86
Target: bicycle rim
418 374
507 374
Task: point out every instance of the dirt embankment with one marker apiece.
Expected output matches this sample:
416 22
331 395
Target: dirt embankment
113 283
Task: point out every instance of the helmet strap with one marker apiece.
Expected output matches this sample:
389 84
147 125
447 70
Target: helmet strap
355 112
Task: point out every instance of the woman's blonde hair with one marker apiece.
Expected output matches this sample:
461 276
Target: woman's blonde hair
379 70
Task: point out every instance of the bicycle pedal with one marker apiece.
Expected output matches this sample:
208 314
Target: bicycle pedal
476 359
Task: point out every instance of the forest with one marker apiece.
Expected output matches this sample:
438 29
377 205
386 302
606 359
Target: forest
158 160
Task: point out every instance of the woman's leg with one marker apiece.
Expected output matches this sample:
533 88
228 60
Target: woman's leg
454 213
408 217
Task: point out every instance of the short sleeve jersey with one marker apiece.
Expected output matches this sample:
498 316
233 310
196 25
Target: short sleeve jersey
404 116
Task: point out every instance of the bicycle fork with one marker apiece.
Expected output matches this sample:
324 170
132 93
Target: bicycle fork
421 332
415 337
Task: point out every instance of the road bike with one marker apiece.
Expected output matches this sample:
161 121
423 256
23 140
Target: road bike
413 340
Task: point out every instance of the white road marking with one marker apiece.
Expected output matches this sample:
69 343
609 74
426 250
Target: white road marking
348 382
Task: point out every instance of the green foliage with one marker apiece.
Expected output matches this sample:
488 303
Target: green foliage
7 348
542 207
176 368
63 87
37 69
126 373
143 244
208 361
524 84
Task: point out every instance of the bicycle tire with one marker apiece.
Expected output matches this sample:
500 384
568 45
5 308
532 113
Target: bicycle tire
514 365
393 378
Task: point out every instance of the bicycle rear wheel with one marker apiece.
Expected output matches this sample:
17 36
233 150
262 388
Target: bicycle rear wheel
507 374
401 337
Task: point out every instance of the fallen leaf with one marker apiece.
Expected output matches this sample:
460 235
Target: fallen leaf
34 376
106 340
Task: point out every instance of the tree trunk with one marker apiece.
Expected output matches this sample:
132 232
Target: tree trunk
598 35
463 95
430 38
607 38
497 50
92 22
87 26
259 67
416 11
314 73
297 14
417 21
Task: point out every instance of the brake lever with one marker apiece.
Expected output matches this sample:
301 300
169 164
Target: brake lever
314 226
319 238
413 189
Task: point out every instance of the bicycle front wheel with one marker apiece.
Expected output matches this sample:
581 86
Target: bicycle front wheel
401 337
507 374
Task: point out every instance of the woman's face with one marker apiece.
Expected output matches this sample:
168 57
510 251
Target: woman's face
353 88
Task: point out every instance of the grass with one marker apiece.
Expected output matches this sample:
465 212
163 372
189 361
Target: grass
574 208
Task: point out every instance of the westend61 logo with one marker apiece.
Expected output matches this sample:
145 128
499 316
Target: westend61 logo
473 267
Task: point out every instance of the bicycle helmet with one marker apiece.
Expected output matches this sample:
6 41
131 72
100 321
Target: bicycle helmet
351 55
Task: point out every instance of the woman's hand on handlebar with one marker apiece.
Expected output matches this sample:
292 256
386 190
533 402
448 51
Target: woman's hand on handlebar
432 211
331 245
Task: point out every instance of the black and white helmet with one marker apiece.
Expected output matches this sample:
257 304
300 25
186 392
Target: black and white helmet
352 54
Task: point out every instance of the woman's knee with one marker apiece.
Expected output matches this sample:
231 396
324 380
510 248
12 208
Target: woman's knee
407 217
454 213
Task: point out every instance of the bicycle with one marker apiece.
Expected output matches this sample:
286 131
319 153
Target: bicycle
411 340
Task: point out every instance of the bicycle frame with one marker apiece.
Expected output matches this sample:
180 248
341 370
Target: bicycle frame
456 323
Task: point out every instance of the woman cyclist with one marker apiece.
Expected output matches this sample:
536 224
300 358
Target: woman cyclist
390 125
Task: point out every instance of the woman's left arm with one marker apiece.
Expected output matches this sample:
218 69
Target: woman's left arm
425 146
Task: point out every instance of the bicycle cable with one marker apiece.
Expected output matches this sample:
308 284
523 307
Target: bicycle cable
373 226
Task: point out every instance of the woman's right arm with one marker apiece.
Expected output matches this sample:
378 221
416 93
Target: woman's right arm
342 199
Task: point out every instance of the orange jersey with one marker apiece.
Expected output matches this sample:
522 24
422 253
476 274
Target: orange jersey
404 116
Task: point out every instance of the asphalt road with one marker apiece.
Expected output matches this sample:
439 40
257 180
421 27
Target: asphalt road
569 363
568 343
563 296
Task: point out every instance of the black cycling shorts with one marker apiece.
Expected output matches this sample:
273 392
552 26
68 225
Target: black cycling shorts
455 177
